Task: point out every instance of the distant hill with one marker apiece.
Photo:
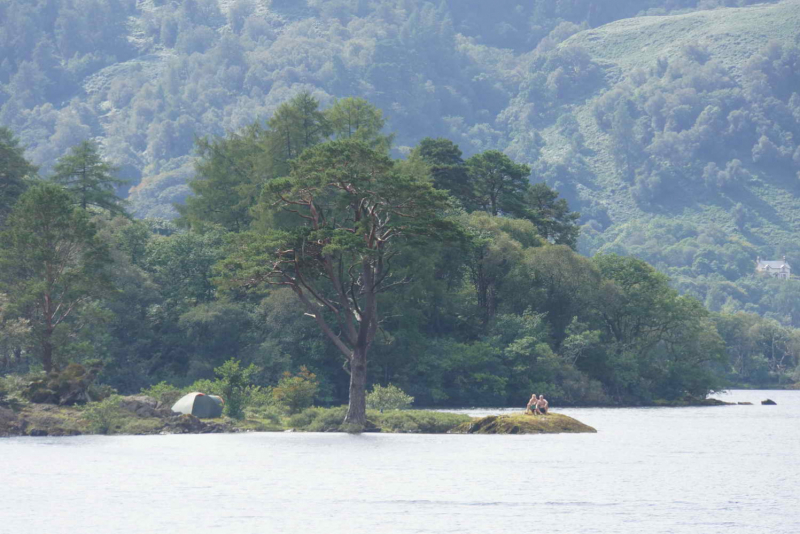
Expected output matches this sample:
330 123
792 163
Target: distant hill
699 89
731 35
671 126
732 38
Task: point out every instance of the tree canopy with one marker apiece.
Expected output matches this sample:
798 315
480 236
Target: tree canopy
353 208
15 171
89 178
52 261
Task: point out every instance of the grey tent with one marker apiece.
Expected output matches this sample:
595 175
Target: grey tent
199 405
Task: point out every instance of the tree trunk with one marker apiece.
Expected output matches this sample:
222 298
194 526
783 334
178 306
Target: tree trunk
357 410
47 353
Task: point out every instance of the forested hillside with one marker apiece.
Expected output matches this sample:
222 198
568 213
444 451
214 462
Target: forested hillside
671 126
639 113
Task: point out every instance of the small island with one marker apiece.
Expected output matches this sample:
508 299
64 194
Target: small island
520 423
142 415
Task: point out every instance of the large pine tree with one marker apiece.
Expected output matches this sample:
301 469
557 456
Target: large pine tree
89 178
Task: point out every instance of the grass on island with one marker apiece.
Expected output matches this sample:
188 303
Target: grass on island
105 418
395 421
521 423
429 422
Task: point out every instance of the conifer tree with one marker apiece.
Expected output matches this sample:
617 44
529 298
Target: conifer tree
14 171
89 178
52 262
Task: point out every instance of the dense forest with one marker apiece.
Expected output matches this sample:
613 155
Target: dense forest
305 243
634 111
659 130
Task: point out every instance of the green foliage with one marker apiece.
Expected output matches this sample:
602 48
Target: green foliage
296 393
89 179
418 421
14 330
233 382
53 262
15 171
166 394
69 386
447 168
553 219
104 416
493 307
390 397
499 184
228 172
12 390
355 118
318 419
406 421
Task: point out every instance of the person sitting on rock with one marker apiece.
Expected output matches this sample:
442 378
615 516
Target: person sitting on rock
541 406
531 404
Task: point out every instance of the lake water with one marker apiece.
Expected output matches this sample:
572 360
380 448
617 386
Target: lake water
710 470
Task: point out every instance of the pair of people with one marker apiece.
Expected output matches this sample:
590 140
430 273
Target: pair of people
538 406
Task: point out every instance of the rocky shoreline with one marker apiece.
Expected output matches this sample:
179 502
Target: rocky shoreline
141 415
40 420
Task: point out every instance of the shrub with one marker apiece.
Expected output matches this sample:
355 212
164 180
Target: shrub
234 382
409 421
261 404
419 422
318 419
204 385
165 394
388 398
66 387
295 393
11 390
103 416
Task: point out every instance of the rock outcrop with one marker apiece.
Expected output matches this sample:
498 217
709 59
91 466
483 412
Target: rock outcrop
552 423
144 406
65 388
769 402
10 424
189 424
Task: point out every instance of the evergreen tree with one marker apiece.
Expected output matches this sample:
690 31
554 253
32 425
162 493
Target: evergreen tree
14 171
357 208
499 184
355 118
448 170
89 179
551 215
229 174
297 125
52 262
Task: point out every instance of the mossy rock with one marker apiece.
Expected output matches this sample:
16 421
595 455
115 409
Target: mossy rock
49 420
66 387
392 421
552 423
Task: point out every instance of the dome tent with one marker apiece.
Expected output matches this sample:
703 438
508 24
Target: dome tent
199 405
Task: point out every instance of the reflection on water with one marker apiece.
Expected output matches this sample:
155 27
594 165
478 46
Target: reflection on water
694 470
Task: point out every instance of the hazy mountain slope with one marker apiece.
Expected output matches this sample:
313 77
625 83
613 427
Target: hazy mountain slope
145 77
732 35
731 39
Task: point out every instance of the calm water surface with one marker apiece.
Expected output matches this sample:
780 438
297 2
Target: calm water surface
695 470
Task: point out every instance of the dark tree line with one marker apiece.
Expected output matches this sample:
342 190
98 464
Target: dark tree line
357 267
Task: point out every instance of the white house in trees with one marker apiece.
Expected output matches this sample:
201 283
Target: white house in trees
776 269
